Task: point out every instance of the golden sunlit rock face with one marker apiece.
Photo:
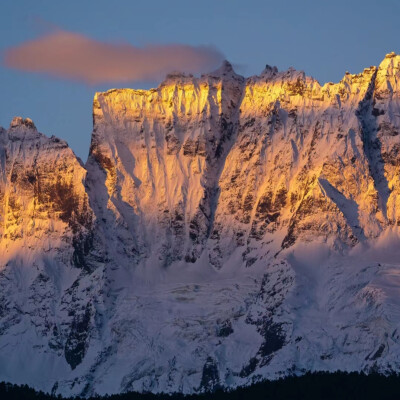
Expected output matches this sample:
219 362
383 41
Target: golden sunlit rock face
163 151
267 159
218 164
223 229
44 204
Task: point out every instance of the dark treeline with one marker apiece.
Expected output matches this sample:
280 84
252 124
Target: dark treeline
318 386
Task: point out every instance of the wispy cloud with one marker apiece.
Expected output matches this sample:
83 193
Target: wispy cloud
74 56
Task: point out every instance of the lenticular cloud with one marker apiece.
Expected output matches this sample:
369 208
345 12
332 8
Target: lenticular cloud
73 56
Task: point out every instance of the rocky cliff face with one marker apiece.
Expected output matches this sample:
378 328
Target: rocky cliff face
223 230
162 152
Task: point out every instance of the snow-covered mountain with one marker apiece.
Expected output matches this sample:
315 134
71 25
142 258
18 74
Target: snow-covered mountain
223 230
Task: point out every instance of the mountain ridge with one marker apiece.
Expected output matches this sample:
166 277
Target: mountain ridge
223 230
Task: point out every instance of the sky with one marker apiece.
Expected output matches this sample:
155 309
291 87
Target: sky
323 38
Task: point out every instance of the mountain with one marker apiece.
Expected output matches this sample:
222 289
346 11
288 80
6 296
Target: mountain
224 230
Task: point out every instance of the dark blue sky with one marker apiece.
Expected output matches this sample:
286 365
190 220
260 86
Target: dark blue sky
323 38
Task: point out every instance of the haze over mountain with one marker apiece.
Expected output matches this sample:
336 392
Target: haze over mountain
223 230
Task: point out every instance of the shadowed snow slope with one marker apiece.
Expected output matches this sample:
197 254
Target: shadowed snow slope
224 230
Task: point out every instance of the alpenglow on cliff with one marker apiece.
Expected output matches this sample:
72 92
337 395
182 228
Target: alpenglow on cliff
223 230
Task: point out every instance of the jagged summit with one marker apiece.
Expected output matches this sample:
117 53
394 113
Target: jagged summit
176 76
23 128
19 121
391 55
269 71
390 62
225 70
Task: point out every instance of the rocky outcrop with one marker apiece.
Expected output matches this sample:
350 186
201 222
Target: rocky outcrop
43 197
